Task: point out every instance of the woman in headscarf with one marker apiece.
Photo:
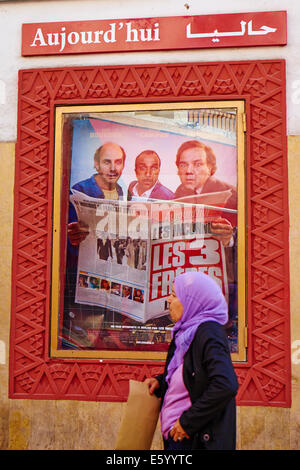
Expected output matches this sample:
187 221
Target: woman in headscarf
199 385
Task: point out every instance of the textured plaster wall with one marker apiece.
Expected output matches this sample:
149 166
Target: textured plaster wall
7 155
294 211
14 14
35 424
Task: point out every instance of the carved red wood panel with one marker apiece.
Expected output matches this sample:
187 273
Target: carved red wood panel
265 378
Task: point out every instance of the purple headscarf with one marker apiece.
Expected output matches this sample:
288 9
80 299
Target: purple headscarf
202 301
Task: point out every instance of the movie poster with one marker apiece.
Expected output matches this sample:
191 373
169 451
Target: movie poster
152 195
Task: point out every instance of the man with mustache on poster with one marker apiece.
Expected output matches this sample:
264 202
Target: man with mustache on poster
147 186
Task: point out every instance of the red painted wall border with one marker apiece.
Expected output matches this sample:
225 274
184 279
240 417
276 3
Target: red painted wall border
265 379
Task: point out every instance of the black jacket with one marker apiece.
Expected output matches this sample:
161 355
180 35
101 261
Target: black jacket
210 379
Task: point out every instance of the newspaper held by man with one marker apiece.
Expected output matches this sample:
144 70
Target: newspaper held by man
134 250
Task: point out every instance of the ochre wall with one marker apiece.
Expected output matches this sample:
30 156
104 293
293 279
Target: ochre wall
36 424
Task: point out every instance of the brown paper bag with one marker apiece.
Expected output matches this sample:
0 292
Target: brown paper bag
139 418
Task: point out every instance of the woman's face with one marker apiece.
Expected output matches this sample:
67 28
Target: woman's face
175 306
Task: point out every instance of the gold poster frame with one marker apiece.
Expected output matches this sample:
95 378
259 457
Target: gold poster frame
239 105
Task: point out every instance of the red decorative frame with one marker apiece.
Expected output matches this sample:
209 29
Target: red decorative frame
265 379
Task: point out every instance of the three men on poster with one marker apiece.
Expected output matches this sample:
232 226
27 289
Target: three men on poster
196 165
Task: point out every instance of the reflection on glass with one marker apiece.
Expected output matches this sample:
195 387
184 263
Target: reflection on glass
152 194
